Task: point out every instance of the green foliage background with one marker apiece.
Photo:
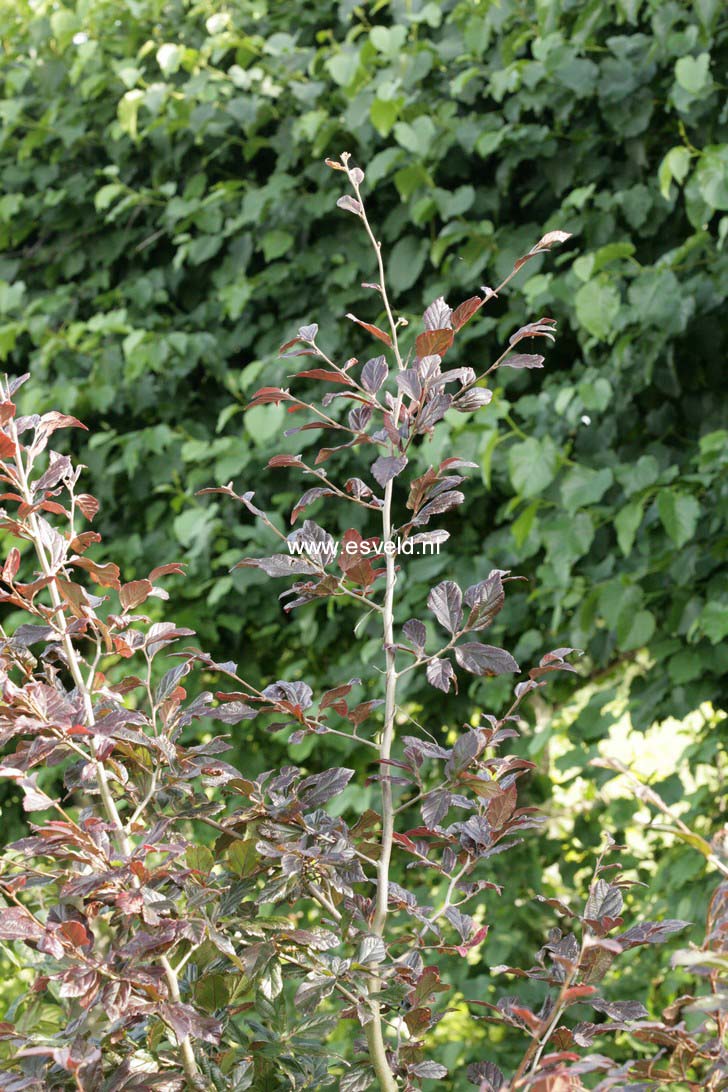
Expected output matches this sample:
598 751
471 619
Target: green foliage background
166 221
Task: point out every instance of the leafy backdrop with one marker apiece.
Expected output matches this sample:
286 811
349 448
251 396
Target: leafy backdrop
165 214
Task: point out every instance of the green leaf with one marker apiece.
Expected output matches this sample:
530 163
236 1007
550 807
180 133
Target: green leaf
579 75
712 176
263 422
713 621
693 73
532 465
489 442
634 477
64 24
200 858
243 857
212 992
169 58
521 528
635 630
567 538
489 141
655 296
583 486
675 165
270 983
406 262
595 394
679 514
627 524
619 599
188 524
107 194
11 296
343 67
128 111
383 115
276 243
388 40
597 306
416 136
9 333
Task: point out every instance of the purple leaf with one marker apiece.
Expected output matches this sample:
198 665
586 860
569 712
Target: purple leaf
485 659
374 373
427 365
427 538
186 1021
372 950
435 807
295 693
455 375
523 360
357 1079
312 991
543 328
279 565
349 204
472 400
410 384
465 311
308 333
359 418
486 1075
232 712
463 923
358 488
320 788
388 467
605 901
17 924
554 661
619 1010
416 633
446 603
433 412
28 634
438 315
34 799
312 540
444 503
485 600
309 497
428 1070
440 674
465 750
650 932
59 468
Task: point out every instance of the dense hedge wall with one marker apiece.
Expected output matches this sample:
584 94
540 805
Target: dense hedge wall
166 221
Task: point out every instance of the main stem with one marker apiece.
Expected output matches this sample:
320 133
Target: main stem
390 704
189 1062
374 1030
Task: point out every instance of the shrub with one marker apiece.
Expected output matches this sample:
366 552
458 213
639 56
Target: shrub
161 959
